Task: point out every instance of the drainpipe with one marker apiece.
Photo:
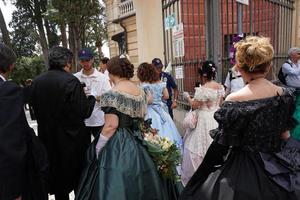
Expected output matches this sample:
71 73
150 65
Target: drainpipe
125 35
120 22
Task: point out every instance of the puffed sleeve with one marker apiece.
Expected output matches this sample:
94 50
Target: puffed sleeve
232 120
134 106
163 84
287 119
198 93
204 94
107 103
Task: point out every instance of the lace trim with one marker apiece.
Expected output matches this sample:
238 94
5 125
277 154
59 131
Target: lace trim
205 94
132 105
255 123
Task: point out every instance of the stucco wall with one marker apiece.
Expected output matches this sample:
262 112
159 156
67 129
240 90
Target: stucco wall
149 29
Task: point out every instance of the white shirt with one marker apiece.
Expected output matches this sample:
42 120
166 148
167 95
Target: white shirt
293 74
236 83
96 83
106 73
2 77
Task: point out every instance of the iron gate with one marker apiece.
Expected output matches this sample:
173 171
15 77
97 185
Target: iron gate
269 18
209 27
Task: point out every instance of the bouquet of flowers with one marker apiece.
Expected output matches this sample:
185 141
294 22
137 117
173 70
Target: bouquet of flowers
165 154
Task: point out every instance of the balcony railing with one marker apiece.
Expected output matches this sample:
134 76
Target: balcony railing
126 8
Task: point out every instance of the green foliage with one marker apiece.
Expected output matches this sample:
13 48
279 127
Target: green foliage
24 36
96 31
88 16
27 68
37 24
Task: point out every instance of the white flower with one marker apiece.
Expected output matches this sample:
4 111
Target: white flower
166 143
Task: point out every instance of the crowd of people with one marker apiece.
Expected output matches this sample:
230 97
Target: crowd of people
243 143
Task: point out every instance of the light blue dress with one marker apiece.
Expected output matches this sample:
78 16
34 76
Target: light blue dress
158 112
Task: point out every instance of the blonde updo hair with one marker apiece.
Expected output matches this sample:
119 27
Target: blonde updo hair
254 54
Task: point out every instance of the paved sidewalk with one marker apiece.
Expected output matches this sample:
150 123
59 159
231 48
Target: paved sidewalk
179 114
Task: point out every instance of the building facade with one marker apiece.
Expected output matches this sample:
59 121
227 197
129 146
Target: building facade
184 33
135 28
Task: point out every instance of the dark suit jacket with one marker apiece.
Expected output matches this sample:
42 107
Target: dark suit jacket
13 128
61 106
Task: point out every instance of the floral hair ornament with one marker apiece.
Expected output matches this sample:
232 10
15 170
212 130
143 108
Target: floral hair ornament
125 56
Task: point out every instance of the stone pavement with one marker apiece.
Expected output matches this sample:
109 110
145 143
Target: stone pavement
179 114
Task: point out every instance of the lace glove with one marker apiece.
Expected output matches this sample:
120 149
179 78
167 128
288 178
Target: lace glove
101 143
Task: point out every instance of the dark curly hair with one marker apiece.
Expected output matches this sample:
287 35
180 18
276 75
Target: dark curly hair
59 57
120 67
104 60
147 73
208 70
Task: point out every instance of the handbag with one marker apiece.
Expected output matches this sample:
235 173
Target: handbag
190 120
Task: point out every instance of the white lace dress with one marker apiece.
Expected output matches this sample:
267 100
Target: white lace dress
197 141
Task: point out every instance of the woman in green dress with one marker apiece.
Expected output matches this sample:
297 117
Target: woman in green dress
118 165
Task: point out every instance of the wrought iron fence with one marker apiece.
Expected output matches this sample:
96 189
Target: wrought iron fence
191 14
209 27
269 18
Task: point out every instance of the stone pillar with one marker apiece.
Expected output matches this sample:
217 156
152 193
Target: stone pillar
149 29
296 24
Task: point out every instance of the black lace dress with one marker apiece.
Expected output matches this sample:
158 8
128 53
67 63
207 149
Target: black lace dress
248 160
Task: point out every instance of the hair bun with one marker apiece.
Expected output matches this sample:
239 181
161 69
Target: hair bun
208 69
127 68
253 52
120 66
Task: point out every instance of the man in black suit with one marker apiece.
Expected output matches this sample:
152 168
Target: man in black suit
13 128
60 106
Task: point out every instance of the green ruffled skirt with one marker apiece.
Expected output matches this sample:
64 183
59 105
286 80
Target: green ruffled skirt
296 131
123 171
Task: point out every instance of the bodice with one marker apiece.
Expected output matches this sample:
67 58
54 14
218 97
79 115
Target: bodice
127 104
156 90
256 124
209 97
